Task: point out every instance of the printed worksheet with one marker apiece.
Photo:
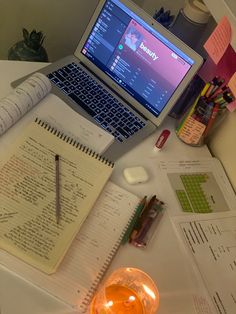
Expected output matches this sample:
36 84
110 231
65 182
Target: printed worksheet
210 240
197 186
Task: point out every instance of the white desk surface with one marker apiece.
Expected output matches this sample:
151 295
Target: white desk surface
163 260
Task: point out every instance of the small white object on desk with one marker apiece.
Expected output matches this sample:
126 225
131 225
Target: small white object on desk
135 175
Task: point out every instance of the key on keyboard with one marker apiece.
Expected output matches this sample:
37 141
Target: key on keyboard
111 114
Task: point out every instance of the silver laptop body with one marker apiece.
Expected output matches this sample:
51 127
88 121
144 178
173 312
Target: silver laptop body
135 62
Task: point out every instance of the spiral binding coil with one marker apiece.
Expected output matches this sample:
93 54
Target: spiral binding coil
88 298
73 142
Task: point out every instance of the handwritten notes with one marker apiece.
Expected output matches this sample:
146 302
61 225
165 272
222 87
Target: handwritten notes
90 253
27 182
28 227
219 40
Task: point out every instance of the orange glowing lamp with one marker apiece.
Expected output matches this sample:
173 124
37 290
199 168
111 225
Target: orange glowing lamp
127 290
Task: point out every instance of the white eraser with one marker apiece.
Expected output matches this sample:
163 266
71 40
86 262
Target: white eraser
135 175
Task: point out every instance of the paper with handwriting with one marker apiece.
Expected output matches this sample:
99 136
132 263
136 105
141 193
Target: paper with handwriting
29 229
90 253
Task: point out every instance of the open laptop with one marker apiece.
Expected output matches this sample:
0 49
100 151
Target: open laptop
126 73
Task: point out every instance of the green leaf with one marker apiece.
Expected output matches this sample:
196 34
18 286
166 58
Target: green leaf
25 34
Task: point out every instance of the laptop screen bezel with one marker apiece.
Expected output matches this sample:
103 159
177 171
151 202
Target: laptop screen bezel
116 87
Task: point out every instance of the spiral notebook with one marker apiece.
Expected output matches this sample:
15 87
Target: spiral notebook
90 254
29 226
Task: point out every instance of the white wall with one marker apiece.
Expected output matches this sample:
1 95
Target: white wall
223 143
62 21
151 6
223 146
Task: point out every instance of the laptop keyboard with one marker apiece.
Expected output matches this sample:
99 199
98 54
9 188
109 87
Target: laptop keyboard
112 115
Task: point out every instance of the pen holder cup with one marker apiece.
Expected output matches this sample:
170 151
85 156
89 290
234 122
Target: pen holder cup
126 290
197 124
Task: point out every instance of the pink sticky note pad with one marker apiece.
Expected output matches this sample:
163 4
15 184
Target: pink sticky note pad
225 68
231 106
219 40
232 84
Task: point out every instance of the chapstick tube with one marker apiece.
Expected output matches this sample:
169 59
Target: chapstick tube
161 140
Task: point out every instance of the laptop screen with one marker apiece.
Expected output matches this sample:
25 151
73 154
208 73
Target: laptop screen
136 56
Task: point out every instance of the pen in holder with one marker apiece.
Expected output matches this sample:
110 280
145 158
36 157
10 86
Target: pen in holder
199 121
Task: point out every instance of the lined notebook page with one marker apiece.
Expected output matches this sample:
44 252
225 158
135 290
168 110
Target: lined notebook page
90 253
29 228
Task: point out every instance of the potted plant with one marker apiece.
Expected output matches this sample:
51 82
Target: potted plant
29 49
